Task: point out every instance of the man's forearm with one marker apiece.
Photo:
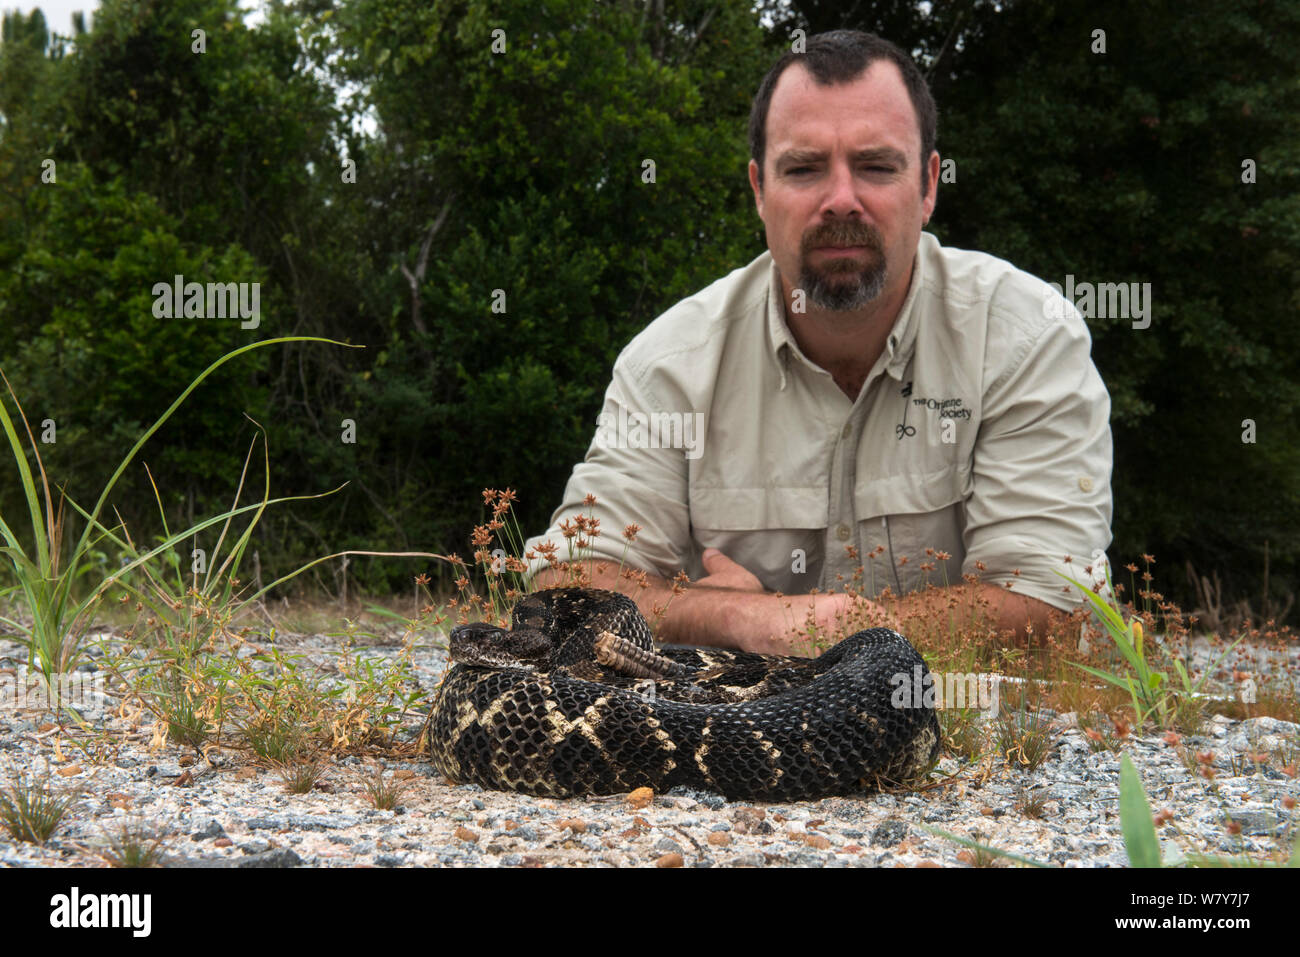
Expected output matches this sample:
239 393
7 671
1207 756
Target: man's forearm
703 615
1003 609
732 618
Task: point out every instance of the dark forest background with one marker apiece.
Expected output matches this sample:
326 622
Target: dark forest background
478 171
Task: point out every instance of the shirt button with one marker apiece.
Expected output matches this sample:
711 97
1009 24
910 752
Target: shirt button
1085 484
842 532
848 430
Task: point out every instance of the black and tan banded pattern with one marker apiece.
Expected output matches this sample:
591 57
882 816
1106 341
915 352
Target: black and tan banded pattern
531 710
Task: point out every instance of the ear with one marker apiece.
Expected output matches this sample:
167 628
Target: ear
932 195
758 190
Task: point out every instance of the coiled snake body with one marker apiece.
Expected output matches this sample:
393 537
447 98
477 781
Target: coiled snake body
575 699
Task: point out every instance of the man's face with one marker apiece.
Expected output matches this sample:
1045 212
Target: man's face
841 196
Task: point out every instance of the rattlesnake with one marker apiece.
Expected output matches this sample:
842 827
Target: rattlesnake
575 699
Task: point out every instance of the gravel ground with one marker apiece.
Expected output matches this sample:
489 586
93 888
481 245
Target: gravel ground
221 810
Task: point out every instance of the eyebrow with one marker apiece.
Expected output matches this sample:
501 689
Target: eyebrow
881 153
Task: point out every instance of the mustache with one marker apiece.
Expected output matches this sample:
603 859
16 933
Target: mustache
842 233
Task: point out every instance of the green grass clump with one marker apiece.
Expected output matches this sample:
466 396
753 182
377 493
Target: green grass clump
963 734
30 811
383 793
134 845
1024 738
301 777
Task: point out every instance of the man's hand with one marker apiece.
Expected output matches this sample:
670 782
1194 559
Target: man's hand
722 572
730 608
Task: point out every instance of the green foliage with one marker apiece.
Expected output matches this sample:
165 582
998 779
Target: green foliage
45 578
1127 167
539 152
79 299
1135 818
1153 695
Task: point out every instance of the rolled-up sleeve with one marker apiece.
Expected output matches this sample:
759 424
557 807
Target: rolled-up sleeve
632 484
1043 458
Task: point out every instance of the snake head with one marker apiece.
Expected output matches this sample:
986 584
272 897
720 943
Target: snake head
487 646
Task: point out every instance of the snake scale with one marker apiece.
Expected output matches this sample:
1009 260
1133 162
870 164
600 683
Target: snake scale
576 699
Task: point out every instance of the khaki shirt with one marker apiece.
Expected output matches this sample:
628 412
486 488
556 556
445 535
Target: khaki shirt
982 431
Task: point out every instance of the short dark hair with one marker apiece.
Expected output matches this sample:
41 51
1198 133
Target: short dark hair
841 56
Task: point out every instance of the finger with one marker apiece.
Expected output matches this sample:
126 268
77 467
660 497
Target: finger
714 561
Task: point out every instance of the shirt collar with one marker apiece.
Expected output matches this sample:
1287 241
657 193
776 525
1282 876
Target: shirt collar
902 338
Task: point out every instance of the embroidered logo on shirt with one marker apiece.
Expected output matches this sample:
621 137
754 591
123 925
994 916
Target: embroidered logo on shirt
903 428
947 408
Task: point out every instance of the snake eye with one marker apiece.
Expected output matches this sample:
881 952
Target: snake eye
468 643
477 631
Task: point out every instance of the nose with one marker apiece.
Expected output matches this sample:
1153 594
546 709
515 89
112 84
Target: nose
841 199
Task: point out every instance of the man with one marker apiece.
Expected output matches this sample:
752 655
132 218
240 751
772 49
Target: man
858 396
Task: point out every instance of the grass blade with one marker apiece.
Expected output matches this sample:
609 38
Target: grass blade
1135 818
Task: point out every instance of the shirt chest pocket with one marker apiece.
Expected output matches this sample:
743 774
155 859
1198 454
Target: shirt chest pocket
901 516
776 533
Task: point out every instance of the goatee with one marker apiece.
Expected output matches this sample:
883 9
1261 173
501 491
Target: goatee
841 292
841 284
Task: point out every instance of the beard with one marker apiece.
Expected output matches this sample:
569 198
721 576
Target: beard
843 284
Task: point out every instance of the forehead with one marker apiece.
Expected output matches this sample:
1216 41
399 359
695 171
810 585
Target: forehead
870 111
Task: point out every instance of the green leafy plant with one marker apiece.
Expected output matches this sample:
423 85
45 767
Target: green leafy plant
1135 819
1149 689
45 578
173 696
